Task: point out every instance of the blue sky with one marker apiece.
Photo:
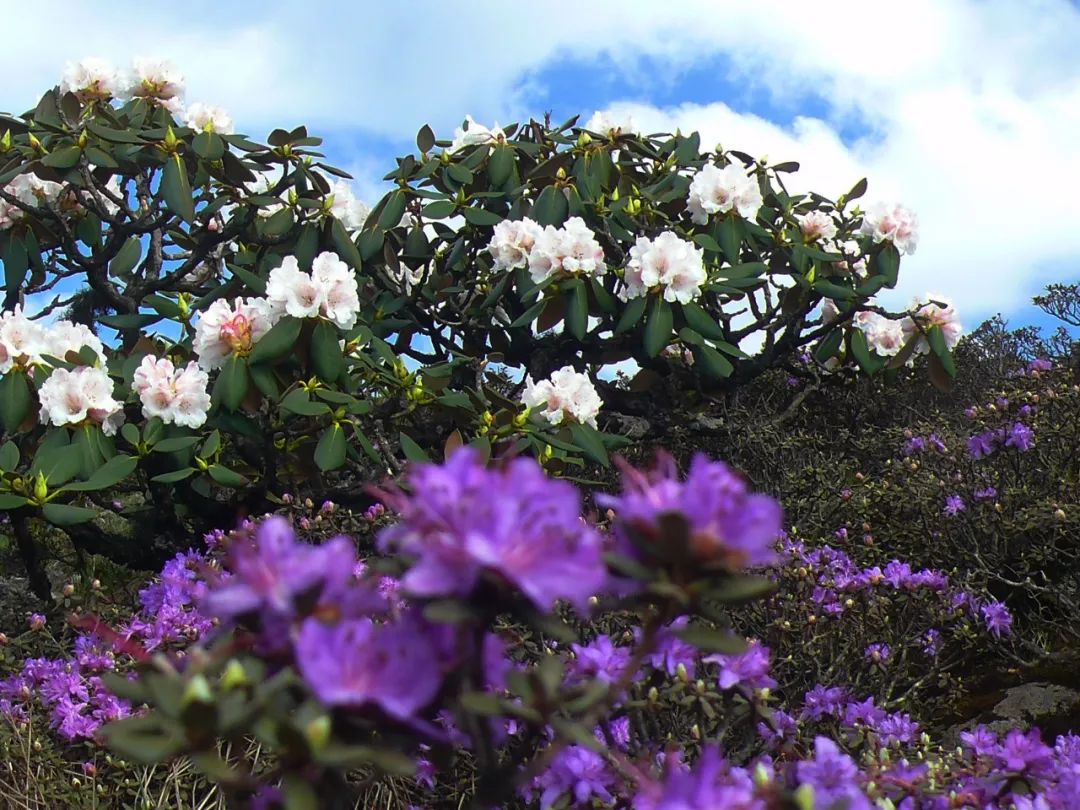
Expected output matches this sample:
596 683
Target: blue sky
967 111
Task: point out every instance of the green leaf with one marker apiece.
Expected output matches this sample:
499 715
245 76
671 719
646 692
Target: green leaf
226 477
577 309
857 191
176 190
412 451
298 794
175 444
711 362
326 356
658 327
936 338
232 381
886 263
834 291
344 245
60 514
15 399
500 164
63 158
174 476
126 258
425 139
740 590
208 145
707 242
88 449
730 232
829 346
550 207
481 217
589 439
712 640
9 457
278 341
440 209
702 322
393 211
277 224
330 451
631 315
112 472
10 501
297 401
860 350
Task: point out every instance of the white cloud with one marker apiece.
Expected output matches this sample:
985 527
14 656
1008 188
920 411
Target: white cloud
973 106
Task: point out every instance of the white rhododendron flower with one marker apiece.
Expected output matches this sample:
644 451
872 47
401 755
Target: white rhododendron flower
30 190
159 81
929 314
606 124
91 80
64 336
512 241
174 396
207 118
226 329
885 336
716 191
330 290
566 396
80 395
894 223
352 212
473 133
569 250
817 226
668 261
20 338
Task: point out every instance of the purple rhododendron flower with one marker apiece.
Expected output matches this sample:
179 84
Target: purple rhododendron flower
579 772
1020 437
359 663
998 619
516 523
982 445
726 522
954 505
600 659
834 777
711 783
750 667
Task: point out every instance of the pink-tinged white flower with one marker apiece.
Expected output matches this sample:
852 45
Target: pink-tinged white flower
226 329
894 223
31 191
345 206
473 133
329 291
566 396
91 80
175 396
817 226
607 124
83 394
157 80
929 314
340 291
207 118
512 241
884 336
676 265
21 340
569 250
856 263
716 191
63 337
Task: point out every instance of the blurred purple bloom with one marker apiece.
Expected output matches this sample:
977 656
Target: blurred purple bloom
985 494
750 667
1020 437
726 522
878 652
517 523
599 659
954 505
359 663
983 444
834 777
998 619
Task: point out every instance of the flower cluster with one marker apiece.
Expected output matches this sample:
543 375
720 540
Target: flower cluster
817 226
928 314
571 250
515 524
892 223
667 262
32 192
726 524
566 396
330 290
512 241
474 134
26 343
85 393
176 396
226 329
606 124
1016 435
717 191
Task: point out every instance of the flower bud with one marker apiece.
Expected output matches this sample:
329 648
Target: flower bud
197 690
1059 515
682 674
41 488
37 622
654 695
95 585
5 142
234 675
317 732
69 589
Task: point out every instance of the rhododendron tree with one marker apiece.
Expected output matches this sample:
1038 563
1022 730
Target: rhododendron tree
234 321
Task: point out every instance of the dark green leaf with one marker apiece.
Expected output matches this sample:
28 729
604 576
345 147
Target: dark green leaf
326 356
126 258
280 340
344 245
658 327
589 439
232 381
331 449
577 309
730 231
15 399
175 444
711 362
481 217
60 514
550 207
860 350
176 190
712 640
702 322
393 211
112 472
62 158
631 315
174 476
226 477
500 165
412 451
9 456
440 209
208 145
